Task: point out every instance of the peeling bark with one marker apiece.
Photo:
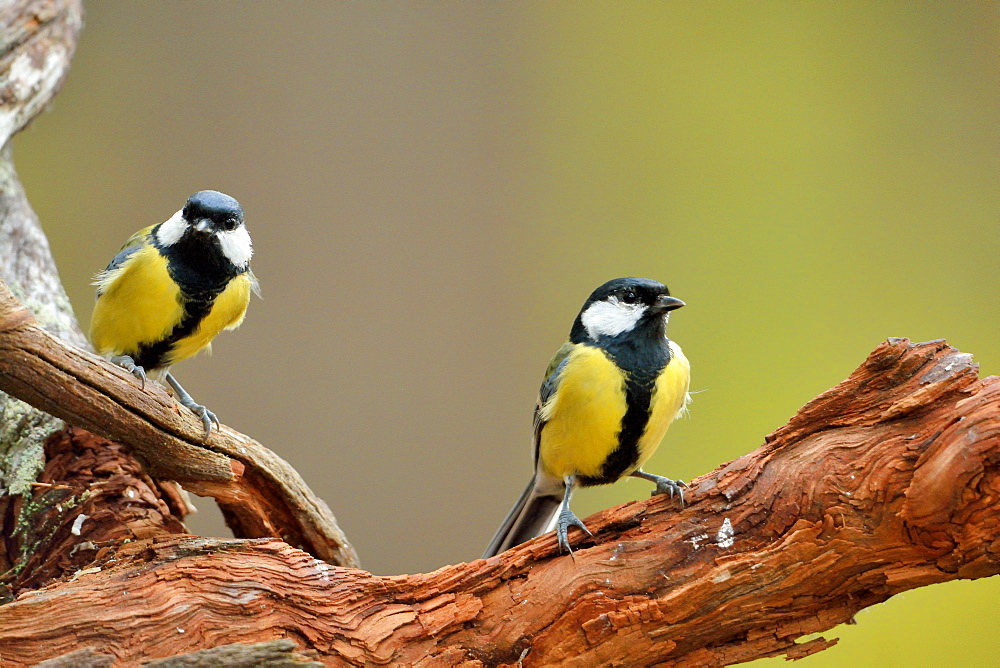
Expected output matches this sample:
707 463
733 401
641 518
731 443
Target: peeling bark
90 497
888 481
41 499
259 493
37 40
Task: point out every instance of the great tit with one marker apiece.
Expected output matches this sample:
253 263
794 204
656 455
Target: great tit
608 397
171 288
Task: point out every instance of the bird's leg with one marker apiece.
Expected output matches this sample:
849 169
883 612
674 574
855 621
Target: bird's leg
567 518
663 485
184 399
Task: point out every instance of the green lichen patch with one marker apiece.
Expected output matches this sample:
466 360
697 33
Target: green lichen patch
23 431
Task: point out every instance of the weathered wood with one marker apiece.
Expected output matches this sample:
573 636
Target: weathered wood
259 492
37 40
81 658
887 482
90 496
273 654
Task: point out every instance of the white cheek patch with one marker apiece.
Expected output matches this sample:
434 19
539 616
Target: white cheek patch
171 231
236 246
611 317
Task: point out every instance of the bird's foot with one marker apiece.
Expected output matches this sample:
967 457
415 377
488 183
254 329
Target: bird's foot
566 520
671 487
127 363
208 418
664 485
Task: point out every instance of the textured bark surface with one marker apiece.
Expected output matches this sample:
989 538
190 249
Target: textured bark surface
91 496
65 495
272 654
887 482
37 39
260 494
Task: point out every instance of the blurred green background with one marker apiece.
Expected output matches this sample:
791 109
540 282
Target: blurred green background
433 189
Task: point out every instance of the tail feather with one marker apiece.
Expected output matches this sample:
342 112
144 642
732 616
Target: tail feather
533 514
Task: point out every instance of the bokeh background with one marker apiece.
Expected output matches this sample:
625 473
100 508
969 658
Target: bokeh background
434 188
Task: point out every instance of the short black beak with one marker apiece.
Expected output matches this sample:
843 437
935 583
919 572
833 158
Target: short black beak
202 226
666 303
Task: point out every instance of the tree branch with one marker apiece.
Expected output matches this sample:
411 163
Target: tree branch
887 482
51 480
258 491
37 40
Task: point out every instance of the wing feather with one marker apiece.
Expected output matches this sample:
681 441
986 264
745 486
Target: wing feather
545 392
104 279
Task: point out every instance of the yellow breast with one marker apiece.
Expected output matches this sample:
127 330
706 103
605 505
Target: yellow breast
227 312
670 396
138 305
583 418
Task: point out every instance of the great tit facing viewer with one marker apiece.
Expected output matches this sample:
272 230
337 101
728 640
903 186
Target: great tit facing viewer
171 288
608 397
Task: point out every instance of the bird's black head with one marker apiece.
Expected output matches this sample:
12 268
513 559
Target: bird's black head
212 211
209 230
622 306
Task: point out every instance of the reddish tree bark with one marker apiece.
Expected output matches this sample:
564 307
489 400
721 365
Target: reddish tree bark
259 493
887 482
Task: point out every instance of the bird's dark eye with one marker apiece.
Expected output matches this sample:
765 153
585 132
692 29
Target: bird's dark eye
629 297
230 224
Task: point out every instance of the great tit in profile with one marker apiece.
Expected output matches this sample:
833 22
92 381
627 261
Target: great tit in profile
608 397
171 288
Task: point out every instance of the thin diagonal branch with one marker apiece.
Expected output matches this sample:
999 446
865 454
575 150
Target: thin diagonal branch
259 492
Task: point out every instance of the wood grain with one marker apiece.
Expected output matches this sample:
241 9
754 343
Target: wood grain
887 482
260 494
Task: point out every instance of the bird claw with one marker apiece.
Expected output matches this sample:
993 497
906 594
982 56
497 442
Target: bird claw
671 487
566 520
208 418
127 363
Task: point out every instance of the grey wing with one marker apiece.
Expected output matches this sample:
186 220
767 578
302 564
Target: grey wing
123 254
545 392
131 247
116 262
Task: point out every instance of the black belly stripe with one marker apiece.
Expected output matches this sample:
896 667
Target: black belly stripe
638 396
642 366
156 355
201 272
